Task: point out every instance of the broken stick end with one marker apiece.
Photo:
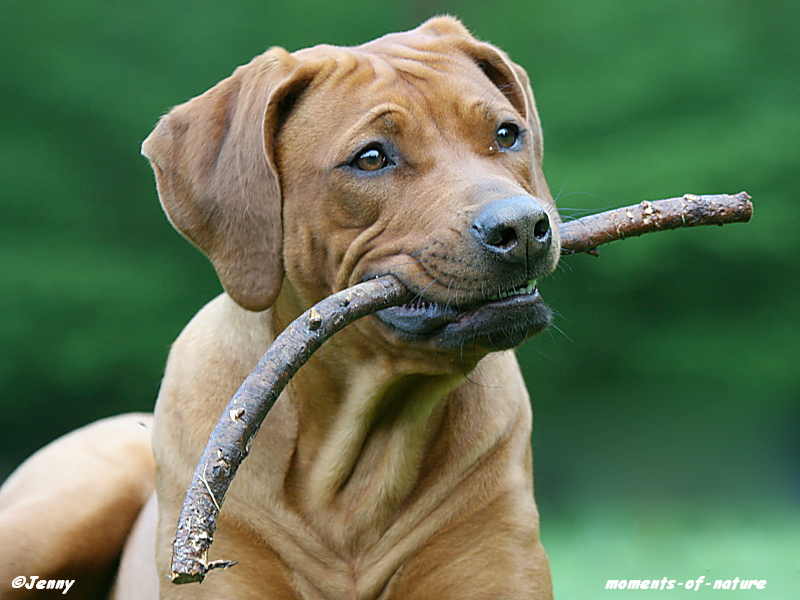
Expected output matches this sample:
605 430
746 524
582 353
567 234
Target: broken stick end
747 210
197 573
179 578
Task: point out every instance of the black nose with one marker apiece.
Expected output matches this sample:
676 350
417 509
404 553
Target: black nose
515 230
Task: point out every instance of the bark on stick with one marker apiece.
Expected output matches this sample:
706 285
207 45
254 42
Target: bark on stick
587 233
230 441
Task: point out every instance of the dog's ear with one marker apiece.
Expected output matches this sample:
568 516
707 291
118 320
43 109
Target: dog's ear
510 78
216 177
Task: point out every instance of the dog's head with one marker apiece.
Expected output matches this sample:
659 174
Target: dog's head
418 154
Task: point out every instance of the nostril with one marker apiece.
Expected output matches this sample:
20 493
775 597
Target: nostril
499 236
503 238
541 231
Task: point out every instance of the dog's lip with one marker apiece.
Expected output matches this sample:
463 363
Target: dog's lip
520 311
421 315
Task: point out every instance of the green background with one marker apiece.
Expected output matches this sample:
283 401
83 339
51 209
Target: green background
666 397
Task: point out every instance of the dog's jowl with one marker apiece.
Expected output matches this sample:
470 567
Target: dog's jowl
397 462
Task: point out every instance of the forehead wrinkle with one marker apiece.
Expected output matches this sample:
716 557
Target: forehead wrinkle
420 50
492 108
378 118
422 63
420 70
381 118
396 83
463 80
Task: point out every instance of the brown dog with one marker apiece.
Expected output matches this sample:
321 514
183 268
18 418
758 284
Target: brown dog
397 463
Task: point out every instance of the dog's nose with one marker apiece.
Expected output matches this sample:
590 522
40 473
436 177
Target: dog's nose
515 230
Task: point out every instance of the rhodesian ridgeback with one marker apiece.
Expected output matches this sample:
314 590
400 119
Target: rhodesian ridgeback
397 463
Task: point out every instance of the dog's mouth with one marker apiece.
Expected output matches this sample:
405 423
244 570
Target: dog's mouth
503 320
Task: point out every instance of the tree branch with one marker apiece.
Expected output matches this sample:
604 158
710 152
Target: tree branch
230 441
587 233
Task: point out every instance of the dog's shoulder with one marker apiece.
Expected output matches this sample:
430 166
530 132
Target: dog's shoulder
207 363
222 340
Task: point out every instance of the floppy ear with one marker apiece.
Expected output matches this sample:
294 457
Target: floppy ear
507 76
216 176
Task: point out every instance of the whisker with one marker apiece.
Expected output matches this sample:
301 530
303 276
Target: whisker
560 315
564 266
569 214
543 355
420 295
561 331
561 191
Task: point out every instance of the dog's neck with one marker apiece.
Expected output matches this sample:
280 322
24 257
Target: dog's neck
365 426
360 456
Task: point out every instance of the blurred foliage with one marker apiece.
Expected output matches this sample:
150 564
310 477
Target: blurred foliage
673 371
607 543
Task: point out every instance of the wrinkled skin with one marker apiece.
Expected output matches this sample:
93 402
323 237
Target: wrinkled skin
397 462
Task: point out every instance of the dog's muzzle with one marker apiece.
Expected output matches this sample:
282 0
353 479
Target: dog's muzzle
514 240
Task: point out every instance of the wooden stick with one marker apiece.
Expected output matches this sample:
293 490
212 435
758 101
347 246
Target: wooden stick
230 441
587 233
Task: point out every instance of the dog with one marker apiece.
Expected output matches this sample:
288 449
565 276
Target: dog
397 463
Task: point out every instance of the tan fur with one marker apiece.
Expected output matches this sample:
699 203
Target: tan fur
388 469
65 512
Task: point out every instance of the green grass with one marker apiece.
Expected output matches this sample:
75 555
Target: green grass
589 548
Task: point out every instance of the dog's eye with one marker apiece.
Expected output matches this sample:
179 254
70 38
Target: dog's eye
507 135
371 159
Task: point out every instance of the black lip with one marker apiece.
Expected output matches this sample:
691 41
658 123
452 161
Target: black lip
422 320
494 325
